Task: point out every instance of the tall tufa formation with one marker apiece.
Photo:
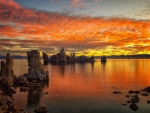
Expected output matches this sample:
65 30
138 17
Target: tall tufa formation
35 70
62 55
6 71
45 57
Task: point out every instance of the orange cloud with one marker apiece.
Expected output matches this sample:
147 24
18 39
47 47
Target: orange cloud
41 30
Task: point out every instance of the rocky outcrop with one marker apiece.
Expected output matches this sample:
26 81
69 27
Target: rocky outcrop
35 70
92 59
103 59
62 55
45 57
6 71
20 80
59 57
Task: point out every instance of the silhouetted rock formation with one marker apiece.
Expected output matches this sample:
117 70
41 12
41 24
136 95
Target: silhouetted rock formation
72 57
92 59
6 71
35 70
103 59
84 59
45 57
59 57
62 57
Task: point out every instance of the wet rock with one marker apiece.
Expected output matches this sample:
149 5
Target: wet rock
116 92
128 101
134 107
127 96
144 94
135 96
35 70
148 101
135 100
132 91
41 109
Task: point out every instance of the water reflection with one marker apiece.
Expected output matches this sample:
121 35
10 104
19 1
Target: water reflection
72 68
76 91
103 65
35 94
92 67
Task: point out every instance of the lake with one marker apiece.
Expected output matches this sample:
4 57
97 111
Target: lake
87 87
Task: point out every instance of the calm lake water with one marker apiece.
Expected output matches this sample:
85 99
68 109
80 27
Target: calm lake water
88 88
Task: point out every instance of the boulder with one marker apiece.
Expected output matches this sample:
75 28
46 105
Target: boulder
134 107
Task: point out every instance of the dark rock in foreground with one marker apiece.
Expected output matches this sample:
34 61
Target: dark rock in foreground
134 107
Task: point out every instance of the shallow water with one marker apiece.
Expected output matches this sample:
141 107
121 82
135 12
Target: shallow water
88 88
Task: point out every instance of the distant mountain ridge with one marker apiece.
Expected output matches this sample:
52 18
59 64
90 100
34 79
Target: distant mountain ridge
14 57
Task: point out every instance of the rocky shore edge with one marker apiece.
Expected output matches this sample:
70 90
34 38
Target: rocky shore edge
28 81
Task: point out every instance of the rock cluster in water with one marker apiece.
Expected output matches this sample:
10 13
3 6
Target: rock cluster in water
134 97
62 57
6 75
35 70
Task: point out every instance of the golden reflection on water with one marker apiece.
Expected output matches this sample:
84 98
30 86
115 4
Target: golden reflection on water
97 80
89 85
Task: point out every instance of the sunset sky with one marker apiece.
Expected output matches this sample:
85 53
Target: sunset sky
89 27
